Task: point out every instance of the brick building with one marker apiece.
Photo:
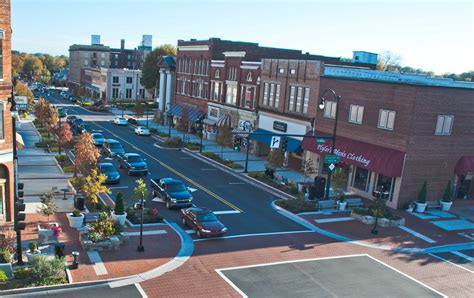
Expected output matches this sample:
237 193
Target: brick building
6 139
396 131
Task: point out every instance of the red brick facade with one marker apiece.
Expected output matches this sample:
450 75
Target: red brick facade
6 157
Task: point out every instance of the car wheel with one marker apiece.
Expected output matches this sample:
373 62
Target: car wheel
168 204
198 233
120 166
184 222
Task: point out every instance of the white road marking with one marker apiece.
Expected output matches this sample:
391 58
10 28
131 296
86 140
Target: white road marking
448 261
227 212
231 284
192 189
464 256
99 266
141 291
236 183
159 200
155 232
118 187
252 235
326 220
416 234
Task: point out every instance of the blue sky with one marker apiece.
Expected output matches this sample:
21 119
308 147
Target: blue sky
433 35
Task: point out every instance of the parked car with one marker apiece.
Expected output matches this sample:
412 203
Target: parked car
85 128
98 139
142 131
62 112
120 121
204 221
134 163
71 118
112 148
110 172
172 191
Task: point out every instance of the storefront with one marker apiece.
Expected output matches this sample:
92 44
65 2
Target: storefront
370 168
464 181
186 113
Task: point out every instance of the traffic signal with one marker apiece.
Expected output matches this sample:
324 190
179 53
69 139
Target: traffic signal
20 189
20 215
236 144
284 144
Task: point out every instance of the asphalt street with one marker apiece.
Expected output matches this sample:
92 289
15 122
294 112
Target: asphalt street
248 207
102 290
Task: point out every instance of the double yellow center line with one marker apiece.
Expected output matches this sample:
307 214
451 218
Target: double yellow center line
212 194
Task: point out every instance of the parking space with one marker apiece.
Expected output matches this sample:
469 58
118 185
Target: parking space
345 276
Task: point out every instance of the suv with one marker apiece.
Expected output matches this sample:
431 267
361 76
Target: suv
112 148
134 163
98 139
172 191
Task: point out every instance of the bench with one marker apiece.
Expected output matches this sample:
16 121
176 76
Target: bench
326 204
355 202
433 205
91 217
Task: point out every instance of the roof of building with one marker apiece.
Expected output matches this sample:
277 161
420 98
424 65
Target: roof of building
167 62
98 48
392 77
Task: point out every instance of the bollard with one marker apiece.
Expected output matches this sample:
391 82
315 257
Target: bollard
75 262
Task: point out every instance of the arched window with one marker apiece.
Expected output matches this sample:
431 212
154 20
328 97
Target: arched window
217 74
249 77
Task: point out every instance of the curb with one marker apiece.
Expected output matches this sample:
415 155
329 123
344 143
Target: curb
164 148
50 289
276 192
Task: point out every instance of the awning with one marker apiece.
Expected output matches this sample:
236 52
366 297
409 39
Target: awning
224 121
209 121
465 165
193 114
385 161
293 144
20 144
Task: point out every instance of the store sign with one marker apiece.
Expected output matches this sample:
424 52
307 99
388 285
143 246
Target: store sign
348 155
280 126
245 125
213 113
21 103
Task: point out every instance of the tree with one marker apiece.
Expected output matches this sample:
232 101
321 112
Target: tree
94 185
447 193
275 159
48 206
224 138
308 169
151 72
87 155
64 136
138 108
140 191
339 182
51 120
40 111
422 194
32 67
388 61
23 90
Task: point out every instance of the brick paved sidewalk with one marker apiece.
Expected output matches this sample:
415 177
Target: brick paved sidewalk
159 249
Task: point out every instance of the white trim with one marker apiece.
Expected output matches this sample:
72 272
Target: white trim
193 48
217 61
448 261
227 212
231 283
416 234
145 233
217 65
326 220
98 265
288 119
141 291
249 67
408 276
252 62
6 157
234 54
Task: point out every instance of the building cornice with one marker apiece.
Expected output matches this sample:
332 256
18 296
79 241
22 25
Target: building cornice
193 48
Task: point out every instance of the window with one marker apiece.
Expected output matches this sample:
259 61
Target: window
232 74
1 54
299 95
330 109
102 63
183 86
129 80
444 125
248 97
128 93
115 80
116 56
86 62
281 70
277 96
291 106
356 114
361 179
272 90
292 71
386 119
195 67
102 55
265 94
2 129
305 100
249 77
217 74
200 89
231 97
217 89
115 93
385 185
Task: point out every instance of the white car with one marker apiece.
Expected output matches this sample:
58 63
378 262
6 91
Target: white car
142 131
120 121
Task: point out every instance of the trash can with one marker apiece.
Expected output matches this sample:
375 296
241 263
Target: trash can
79 202
59 249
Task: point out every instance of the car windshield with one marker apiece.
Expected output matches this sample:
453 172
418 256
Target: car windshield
175 187
135 159
143 128
115 146
97 136
122 119
107 169
203 217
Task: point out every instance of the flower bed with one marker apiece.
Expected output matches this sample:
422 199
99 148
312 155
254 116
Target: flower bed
149 216
226 162
297 205
267 180
172 143
102 235
367 217
64 163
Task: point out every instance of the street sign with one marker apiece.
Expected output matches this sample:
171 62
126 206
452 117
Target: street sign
275 142
332 167
332 159
320 140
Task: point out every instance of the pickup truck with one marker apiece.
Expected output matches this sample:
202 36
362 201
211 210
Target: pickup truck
134 163
172 191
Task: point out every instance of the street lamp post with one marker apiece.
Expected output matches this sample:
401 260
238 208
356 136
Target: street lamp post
322 104
121 101
146 113
169 123
140 246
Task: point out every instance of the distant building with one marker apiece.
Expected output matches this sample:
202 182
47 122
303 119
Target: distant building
167 66
125 84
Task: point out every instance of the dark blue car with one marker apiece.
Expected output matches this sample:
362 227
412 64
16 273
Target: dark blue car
111 173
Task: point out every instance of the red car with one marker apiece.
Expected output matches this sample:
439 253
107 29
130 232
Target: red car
204 221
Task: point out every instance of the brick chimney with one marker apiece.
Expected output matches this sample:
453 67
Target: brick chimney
122 44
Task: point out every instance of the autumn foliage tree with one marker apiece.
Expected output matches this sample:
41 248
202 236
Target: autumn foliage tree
51 120
94 185
40 110
64 136
87 155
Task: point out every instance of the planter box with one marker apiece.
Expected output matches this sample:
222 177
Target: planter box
75 222
341 205
445 206
420 207
382 222
365 219
111 244
46 235
31 256
119 218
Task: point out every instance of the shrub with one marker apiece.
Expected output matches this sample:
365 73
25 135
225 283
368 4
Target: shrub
132 121
163 134
5 255
47 271
210 155
102 229
296 205
172 143
3 276
153 130
68 169
22 273
447 193
257 175
33 246
149 215
77 182
61 158
119 209
422 194
235 166
193 146
76 213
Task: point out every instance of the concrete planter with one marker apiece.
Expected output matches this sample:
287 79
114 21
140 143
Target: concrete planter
46 235
420 207
341 205
110 244
75 222
119 218
32 255
365 219
381 222
445 206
